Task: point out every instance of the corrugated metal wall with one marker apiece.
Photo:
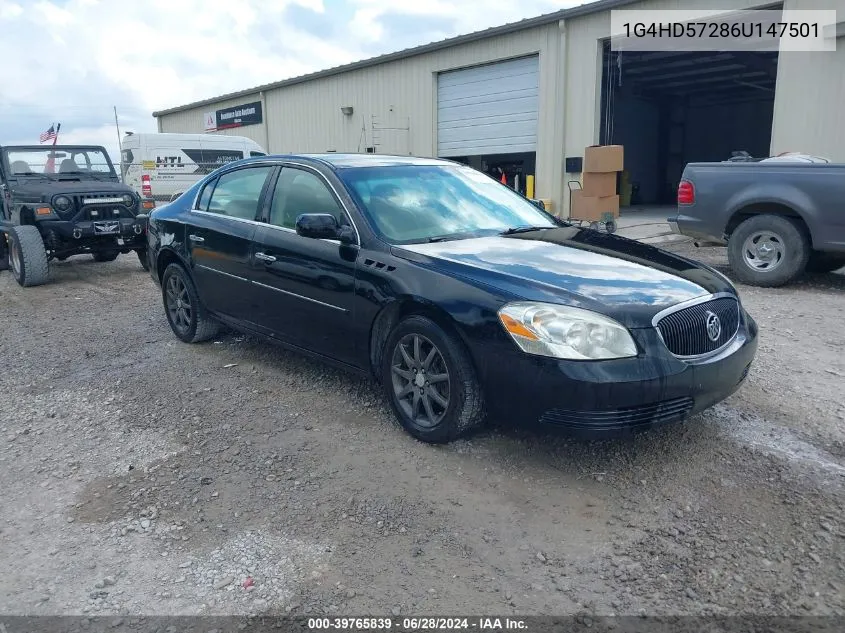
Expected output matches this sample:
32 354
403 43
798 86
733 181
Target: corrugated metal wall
395 105
810 96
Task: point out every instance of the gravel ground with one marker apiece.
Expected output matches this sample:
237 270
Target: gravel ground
142 476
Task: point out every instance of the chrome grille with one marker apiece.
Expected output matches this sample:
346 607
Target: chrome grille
685 331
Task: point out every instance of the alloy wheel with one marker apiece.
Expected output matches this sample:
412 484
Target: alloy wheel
178 303
421 381
763 251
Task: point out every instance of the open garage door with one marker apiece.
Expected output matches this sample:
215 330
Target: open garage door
489 109
487 118
670 108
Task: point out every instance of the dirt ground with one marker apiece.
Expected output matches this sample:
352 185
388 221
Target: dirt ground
140 475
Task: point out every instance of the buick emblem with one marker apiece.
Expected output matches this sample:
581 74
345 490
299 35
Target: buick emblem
713 325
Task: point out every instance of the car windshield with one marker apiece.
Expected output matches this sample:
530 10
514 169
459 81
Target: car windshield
419 203
52 161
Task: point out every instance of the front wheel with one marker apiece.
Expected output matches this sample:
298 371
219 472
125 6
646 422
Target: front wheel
188 318
768 250
27 256
430 382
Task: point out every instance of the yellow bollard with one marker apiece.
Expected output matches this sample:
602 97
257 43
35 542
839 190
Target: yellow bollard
529 186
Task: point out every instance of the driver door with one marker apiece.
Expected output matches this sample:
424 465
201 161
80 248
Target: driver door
307 285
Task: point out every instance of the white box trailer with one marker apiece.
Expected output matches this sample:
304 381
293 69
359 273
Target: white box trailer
162 166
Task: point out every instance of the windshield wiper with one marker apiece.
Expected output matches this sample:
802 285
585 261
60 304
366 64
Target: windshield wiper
523 229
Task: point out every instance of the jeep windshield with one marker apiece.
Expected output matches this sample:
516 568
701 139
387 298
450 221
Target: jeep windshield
59 163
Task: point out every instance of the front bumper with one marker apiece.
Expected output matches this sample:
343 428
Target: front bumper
605 396
129 229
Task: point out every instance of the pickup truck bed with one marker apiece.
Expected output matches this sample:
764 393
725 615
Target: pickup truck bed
777 218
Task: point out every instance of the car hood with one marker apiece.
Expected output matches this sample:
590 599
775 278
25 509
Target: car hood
622 278
39 187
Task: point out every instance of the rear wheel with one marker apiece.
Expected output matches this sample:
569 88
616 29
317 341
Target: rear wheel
768 250
430 382
27 256
824 263
188 318
105 256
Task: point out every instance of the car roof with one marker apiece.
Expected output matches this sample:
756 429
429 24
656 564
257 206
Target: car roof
342 161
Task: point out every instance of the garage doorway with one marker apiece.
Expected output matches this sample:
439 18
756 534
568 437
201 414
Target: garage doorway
673 108
487 118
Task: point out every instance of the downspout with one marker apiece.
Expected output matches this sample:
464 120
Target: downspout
266 118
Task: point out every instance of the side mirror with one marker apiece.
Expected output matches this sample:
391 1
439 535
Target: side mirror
320 226
323 226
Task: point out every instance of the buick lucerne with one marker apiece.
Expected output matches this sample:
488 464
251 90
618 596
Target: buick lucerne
460 296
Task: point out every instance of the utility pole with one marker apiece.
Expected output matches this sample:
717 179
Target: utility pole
120 152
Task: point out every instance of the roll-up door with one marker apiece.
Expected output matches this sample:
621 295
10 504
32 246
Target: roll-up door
490 109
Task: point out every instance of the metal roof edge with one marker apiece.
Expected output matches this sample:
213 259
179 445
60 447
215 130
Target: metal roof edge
511 27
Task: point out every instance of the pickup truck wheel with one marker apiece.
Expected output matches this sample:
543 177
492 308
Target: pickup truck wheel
768 250
27 256
105 256
186 314
824 263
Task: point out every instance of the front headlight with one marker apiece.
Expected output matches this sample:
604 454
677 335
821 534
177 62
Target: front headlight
129 200
548 329
61 203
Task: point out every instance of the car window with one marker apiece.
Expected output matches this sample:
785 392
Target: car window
237 192
254 154
205 196
414 203
299 191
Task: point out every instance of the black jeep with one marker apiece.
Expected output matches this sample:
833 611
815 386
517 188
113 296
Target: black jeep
65 200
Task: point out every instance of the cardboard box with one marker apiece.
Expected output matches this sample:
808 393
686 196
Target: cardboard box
603 158
593 208
598 184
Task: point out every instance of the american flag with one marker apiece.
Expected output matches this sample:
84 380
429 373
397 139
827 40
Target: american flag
49 135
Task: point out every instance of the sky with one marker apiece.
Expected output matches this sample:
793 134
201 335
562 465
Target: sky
73 61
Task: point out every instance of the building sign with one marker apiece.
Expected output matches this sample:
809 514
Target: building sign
236 116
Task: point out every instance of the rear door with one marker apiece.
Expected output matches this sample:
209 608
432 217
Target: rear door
307 285
220 237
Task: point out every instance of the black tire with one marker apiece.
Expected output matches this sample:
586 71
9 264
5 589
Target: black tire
105 256
782 236
464 408
824 262
142 257
187 316
27 256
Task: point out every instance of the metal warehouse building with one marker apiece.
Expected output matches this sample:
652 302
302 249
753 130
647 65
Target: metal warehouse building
526 96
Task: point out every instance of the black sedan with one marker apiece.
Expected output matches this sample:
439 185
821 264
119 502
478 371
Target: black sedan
459 295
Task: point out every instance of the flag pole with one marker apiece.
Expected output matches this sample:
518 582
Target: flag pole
120 151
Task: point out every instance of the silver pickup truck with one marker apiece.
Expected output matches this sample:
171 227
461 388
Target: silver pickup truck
777 218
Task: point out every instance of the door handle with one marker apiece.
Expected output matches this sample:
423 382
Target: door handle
265 258
196 238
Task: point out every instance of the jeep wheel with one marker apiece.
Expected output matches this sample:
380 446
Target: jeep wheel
105 256
142 257
188 318
27 256
768 250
